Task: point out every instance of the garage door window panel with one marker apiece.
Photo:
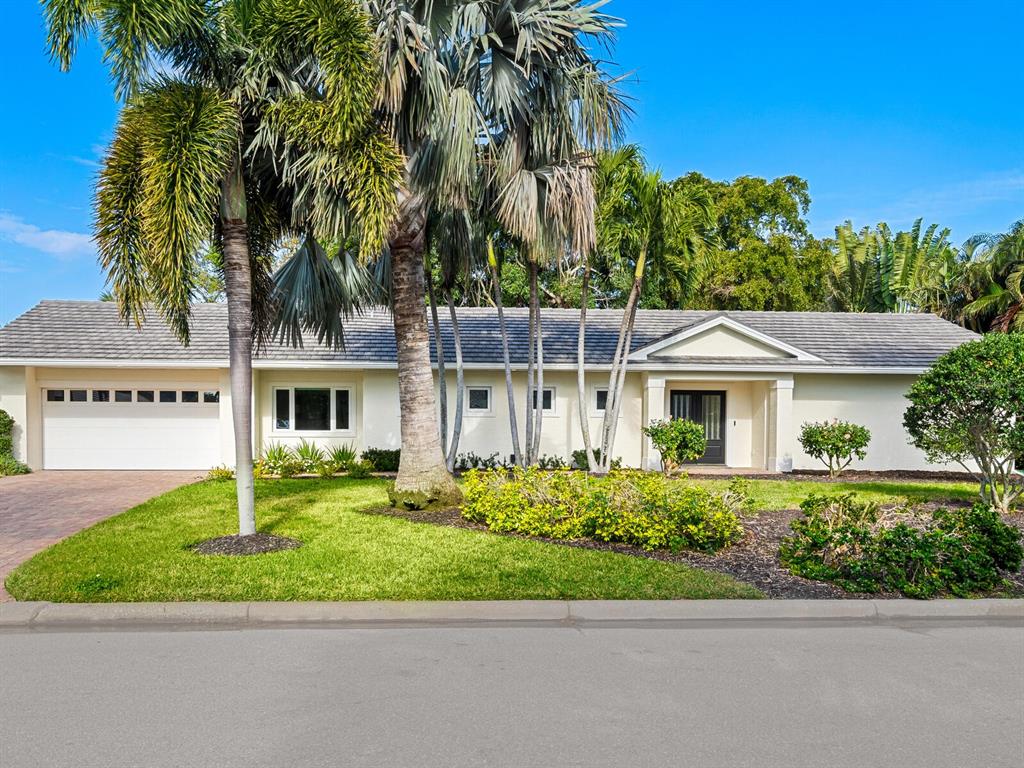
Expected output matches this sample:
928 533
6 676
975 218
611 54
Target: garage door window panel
55 395
122 396
190 396
101 395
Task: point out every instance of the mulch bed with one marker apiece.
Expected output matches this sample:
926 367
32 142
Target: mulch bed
754 561
256 544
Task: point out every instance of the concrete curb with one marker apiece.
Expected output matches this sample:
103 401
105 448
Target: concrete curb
581 613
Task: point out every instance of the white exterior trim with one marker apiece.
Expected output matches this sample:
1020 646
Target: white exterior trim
643 353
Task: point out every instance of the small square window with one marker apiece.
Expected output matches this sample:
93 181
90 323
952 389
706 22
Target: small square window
211 397
168 396
190 396
144 396
601 399
549 399
123 396
79 395
101 395
341 412
282 409
479 398
55 395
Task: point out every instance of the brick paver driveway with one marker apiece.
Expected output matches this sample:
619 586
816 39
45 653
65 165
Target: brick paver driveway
40 509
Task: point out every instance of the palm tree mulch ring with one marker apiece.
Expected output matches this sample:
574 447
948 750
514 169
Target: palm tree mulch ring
254 544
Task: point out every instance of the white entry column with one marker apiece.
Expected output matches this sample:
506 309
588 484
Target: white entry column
780 427
653 410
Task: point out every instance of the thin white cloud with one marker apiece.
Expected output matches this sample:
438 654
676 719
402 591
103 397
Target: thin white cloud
55 242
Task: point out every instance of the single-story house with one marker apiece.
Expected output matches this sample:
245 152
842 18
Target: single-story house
87 392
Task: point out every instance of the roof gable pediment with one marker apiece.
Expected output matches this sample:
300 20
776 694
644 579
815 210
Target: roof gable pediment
721 337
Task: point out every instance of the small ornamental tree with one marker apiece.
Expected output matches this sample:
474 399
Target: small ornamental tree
679 441
8 464
835 443
969 407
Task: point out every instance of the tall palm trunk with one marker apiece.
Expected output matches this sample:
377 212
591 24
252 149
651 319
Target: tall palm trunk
460 384
423 478
442 375
537 401
492 262
238 287
531 391
581 347
617 379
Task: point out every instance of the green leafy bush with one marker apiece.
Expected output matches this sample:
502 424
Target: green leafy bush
679 441
968 408
835 443
383 459
471 460
11 466
360 469
8 464
628 506
552 462
860 548
579 459
280 460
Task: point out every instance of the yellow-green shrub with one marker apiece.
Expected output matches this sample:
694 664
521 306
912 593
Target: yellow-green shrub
632 507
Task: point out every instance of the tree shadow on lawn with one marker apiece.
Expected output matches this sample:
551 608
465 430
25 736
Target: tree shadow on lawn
921 493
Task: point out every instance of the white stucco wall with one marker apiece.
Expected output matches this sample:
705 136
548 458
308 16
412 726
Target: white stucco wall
14 400
876 402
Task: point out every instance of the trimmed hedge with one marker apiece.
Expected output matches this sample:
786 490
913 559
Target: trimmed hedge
628 506
383 459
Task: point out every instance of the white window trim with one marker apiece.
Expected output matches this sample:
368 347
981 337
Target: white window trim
112 389
489 411
596 412
553 410
332 432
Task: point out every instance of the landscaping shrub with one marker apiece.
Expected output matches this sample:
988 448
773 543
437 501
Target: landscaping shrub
471 460
631 507
342 456
678 440
383 459
835 443
280 460
360 469
579 459
968 408
861 548
552 462
221 473
8 464
310 457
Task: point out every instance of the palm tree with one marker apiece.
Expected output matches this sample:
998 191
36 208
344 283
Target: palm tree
475 95
244 121
994 280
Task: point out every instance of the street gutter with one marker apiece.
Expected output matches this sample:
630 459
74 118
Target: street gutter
45 616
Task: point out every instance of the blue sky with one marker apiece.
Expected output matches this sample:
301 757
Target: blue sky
891 110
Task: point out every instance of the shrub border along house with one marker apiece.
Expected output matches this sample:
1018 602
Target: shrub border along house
628 506
9 465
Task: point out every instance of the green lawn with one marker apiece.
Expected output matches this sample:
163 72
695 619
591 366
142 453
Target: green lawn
787 494
144 554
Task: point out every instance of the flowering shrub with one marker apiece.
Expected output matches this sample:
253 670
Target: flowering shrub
627 506
861 548
835 443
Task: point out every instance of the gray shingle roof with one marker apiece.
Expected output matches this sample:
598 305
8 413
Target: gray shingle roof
92 330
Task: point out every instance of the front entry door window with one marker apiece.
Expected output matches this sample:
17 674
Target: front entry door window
708 410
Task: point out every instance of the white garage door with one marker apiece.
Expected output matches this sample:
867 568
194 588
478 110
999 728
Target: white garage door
131 428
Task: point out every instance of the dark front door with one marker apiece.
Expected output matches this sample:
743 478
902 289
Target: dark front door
707 409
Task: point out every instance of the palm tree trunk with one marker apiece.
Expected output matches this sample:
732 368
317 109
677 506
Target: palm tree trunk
423 479
442 378
619 374
238 287
453 448
581 393
492 262
531 391
539 390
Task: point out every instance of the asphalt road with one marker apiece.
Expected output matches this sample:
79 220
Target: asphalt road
861 696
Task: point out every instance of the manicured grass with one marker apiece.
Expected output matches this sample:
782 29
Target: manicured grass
787 494
144 554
